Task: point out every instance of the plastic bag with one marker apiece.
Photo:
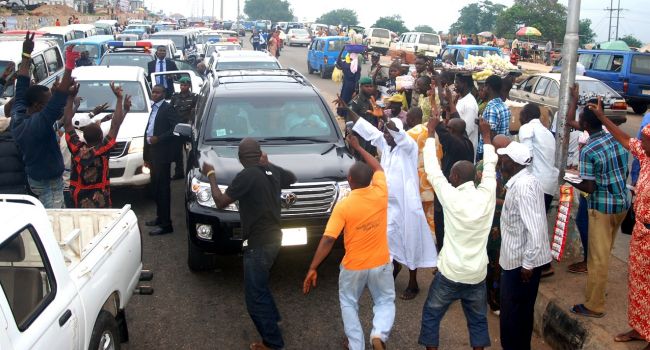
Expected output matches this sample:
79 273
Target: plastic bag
337 75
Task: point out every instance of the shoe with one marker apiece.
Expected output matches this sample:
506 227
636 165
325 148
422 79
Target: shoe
152 223
377 344
161 231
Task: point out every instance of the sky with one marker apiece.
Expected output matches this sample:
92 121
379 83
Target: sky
439 14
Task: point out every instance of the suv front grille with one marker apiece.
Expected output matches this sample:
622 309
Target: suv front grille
315 198
119 149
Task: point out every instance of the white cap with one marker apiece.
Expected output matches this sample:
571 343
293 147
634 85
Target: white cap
398 123
81 120
518 152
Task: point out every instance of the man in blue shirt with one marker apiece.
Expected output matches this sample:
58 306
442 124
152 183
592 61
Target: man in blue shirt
496 112
34 112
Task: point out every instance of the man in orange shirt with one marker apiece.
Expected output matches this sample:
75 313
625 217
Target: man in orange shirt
363 217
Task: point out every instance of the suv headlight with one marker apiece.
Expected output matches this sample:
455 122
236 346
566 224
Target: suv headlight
344 190
137 145
203 195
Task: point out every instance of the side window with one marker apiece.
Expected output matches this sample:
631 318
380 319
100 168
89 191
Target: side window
39 69
320 45
412 38
586 59
528 85
602 62
461 56
53 60
617 63
26 277
540 89
553 90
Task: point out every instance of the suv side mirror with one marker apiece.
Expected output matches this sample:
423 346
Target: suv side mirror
183 130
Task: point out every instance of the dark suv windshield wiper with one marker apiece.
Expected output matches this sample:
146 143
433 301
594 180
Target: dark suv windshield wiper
223 139
294 138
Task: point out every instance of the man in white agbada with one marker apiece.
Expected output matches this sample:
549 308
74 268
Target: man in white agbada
409 237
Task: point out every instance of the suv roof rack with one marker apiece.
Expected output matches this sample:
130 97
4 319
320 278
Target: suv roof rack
285 72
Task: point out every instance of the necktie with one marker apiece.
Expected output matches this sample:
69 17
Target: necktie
160 69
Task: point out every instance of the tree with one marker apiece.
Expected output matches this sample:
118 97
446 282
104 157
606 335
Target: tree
424 29
587 35
547 16
393 23
631 41
477 17
273 10
344 17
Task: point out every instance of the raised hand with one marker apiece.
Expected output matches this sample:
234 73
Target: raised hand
73 90
71 57
376 110
432 124
597 108
117 90
575 93
28 44
127 104
353 141
206 168
100 108
485 128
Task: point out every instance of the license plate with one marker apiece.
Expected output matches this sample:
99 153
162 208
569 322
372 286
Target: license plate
294 236
645 92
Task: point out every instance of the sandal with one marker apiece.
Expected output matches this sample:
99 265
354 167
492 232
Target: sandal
580 309
258 346
579 267
627 336
409 294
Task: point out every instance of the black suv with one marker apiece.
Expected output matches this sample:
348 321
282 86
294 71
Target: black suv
297 130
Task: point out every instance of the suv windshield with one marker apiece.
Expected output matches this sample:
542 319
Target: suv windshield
179 40
93 50
380 33
126 59
269 119
94 93
483 53
247 65
428 39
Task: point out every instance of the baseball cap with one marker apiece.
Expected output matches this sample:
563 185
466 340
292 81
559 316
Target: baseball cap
518 152
184 80
81 120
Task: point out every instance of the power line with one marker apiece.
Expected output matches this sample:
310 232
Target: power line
611 11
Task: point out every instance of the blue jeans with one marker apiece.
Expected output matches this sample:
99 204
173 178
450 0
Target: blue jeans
49 192
517 308
259 301
382 289
442 293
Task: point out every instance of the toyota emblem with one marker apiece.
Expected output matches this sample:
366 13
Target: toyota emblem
288 199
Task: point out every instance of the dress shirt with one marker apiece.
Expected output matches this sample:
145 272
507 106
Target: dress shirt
541 143
524 230
161 66
152 119
468 212
467 109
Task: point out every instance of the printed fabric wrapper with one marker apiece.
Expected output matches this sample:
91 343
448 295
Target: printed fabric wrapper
562 222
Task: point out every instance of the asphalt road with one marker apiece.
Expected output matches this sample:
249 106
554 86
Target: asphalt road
207 311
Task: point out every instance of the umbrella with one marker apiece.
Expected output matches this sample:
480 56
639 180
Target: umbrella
485 34
528 31
619 45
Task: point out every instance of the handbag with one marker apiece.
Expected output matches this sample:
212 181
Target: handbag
337 75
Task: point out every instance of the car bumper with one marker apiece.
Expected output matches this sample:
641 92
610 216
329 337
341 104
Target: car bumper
128 170
226 228
302 41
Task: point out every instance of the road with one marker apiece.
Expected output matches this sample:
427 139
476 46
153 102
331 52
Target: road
207 311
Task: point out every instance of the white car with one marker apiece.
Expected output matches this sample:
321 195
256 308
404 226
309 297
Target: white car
242 60
298 36
172 52
217 47
66 275
126 165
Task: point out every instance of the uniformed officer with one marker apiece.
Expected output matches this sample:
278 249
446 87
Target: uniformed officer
184 102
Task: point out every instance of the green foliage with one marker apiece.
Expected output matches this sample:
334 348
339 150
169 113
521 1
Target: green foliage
344 17
587 35
477 17
631 41
424 29
273 10
548 17
393 23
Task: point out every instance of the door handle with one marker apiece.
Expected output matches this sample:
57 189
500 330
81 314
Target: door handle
527 95
65 317
542 98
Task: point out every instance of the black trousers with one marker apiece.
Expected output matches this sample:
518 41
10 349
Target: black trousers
439 223
178 160
517 308
548 199
161 187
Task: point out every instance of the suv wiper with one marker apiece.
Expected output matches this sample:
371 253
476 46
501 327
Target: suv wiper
224 139
294 138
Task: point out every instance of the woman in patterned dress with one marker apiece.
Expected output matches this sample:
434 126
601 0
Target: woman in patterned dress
638 312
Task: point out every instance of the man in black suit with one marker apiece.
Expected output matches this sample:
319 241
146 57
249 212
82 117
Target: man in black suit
159 151
163 64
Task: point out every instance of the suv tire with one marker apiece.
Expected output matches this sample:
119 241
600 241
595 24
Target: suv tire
197 259
639 107
105 332
310 70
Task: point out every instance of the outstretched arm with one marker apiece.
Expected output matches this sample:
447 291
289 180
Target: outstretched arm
372 162
118 115
621 136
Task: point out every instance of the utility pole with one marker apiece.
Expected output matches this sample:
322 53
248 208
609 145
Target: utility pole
221 15
213 10
618 16
611 10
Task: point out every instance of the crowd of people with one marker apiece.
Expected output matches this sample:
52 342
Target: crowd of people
439 183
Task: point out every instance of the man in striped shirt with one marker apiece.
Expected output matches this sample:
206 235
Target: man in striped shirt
524 246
